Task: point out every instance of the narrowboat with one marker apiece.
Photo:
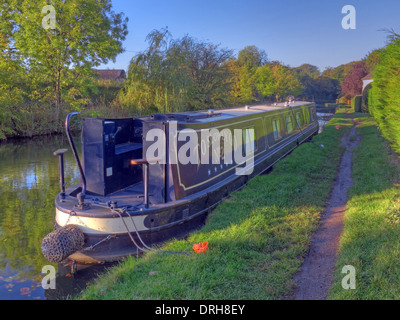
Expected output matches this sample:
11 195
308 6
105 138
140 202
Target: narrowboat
150 179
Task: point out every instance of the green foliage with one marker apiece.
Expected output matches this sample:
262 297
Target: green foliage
365 99
356 103
105 91
176 75
339 73
264 81
320 88
279 81
385 92
373 58
252 57
186 74
49 71
241 83
316 86
53 70
307 71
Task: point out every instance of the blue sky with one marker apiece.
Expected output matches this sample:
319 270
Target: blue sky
291 31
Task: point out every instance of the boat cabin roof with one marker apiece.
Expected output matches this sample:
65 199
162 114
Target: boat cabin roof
212 115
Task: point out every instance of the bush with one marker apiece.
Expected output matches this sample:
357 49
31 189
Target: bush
356 103
384 104
343 100
364 101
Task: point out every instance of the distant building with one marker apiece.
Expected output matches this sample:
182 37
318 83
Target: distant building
111 74
367 80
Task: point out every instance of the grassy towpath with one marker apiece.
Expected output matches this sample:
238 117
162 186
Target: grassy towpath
315 277
258 237
370 240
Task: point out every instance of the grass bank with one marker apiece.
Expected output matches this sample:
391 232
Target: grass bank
257 238
371 235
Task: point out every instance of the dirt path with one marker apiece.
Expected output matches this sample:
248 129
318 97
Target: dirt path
315 277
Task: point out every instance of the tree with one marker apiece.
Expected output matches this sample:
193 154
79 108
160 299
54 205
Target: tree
87 33
306 71
274 79
241 80
320 89
252 57
352 84
12 74
177 75
243 72
285 82
264 81
209 73
339 73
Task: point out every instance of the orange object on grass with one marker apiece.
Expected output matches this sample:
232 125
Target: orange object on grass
338 127
200 247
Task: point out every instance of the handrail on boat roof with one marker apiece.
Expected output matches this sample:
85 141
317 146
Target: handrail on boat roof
81 197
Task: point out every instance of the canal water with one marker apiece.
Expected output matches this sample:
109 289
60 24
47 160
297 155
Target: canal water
323 120
29 183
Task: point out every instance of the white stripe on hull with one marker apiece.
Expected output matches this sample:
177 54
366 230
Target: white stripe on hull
101 225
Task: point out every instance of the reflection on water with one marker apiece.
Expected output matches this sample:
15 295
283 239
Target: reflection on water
323 119
29 183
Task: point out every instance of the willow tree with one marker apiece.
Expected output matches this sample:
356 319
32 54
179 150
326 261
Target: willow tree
145 89
60 55
176 75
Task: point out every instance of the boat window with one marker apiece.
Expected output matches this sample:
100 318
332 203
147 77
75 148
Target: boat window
306 115
249 139
289 124
312 115
298 119
276 126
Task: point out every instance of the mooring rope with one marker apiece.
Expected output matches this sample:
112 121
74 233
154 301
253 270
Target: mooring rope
145 247
129 234
144 244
